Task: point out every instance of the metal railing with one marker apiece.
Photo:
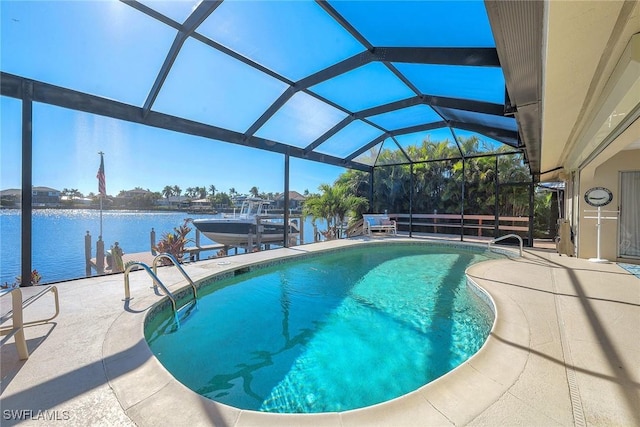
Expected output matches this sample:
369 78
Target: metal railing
175 262
506 237
156 281
16 329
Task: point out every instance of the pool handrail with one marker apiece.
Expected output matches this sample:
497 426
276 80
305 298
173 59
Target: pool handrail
156 280
497 239
177 264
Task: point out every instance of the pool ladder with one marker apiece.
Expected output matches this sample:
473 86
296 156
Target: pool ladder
506 237
157 282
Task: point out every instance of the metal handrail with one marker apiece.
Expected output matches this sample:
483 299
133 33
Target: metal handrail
506 237
127 293
31 299
177 264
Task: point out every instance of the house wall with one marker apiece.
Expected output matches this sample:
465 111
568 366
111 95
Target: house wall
45 197
605 175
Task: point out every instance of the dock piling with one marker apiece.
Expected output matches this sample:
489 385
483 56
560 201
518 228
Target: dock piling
153 241
100 256
87 254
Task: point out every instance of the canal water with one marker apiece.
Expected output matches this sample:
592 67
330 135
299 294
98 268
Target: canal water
59 236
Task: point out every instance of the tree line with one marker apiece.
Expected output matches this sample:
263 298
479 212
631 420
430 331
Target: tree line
148 198
489 180
438 180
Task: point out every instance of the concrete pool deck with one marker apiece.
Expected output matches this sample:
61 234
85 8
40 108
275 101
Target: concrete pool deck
564 351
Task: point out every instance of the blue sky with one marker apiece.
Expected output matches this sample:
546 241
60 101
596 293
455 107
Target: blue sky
91 46
109 49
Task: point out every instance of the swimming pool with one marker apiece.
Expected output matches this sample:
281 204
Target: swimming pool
330 332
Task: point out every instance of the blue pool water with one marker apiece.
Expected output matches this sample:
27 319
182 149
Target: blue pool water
328 333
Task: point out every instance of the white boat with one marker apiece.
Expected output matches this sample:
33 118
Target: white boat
236 230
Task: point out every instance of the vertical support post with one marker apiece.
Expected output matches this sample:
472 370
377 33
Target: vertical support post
371 189
286 200
27 183
496 208
464 178
100 235
531 213
411 184
152 238
87 254
197 238
301 225
598 227
259 228
100 255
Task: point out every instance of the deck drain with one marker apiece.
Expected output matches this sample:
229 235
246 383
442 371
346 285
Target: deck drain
574 391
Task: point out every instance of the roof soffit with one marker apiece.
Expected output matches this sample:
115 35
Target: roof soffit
518 31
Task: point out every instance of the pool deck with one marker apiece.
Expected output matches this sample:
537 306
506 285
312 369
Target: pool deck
565 350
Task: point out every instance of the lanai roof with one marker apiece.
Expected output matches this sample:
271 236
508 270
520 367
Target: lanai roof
330 81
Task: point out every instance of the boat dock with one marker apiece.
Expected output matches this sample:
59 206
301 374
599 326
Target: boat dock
104 262
147 257
193 253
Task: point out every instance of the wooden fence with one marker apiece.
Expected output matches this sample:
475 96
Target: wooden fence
451 223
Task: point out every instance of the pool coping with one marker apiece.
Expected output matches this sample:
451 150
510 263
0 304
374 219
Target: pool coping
150 395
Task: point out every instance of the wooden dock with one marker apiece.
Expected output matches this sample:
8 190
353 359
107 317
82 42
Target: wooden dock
193 253
144 257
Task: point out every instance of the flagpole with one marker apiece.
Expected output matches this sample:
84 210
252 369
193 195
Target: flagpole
101 189
101 216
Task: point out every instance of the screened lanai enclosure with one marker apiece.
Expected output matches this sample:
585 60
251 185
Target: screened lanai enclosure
429 109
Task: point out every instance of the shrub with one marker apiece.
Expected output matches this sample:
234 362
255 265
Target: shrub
174 243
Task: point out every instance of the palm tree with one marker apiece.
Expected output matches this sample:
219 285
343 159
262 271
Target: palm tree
254 191
202 192
177 191
357 182
212 190
167 191
333 205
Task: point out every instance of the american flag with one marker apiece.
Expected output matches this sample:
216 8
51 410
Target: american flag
102 186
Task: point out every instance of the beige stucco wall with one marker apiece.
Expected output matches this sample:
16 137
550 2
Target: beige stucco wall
605 175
